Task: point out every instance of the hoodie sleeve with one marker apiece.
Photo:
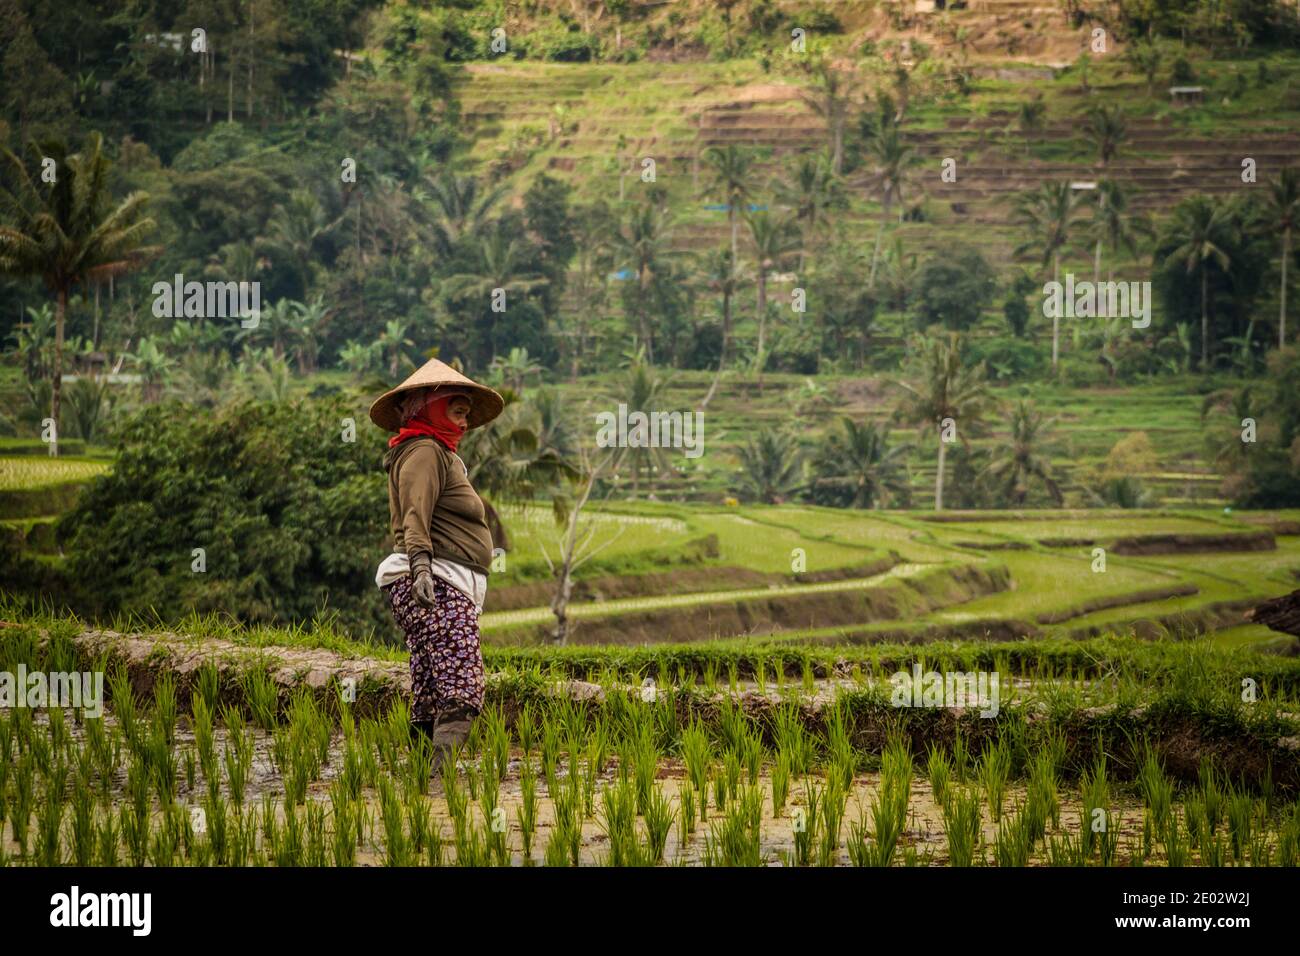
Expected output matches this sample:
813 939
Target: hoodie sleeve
419 482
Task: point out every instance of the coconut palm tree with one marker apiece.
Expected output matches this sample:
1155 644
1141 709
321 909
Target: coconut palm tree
499 266
731 180
393 341
1049 213
515 368
644 246
1031 117
1201 226
724 277
774 237
891 157
34 340
1023 459
1114 225
293 231
771 466
811 190
460 207
1282 215
276 327
644 390
856 467
943 388
829 98
1107 127
154 366
66 233
306 320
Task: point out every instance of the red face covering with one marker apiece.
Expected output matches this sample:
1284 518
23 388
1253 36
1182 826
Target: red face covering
433 421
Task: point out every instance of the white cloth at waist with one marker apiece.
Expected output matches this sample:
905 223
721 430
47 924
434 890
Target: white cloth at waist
466 580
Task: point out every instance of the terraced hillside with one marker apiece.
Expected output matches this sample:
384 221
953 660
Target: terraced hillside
887 576
567 120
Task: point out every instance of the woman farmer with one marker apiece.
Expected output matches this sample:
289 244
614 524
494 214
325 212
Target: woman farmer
436 578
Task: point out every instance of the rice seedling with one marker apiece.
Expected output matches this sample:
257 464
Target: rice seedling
780 782
262 696
105 751
238 755
189 766
563 845
163 844
527 809
1241 817
1211 794
135 834
418 822
961 826
939 770
711 676
497 739
526 728
1066 850
1288 842
217 824
550 750
1175 842
123 698
659 815
164 706
1096 801
1012 844
207 687
805 824
289 851
457 799
733 676
792 736
1108 838
434 846
686 816
1156 789
83 823
645 753
49 821
1213 850
618 817
994 768
108 841
344 838
760 676
832 818
960 755
735 839
396 848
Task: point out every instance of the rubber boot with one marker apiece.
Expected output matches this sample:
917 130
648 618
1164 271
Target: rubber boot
451 730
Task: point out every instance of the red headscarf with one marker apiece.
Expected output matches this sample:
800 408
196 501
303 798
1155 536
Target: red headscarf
432 420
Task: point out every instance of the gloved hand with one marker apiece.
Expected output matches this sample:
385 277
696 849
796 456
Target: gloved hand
422 575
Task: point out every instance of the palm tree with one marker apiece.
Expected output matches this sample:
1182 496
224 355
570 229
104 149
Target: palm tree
731 171
856 466
644 246
154 366
811 190
1048 214
66 234
774 237
294 229
392 341
770 466
724 277
460 208
829 99
1031 117
1023 459
1107 128
362 358
305 320
514 368
1201 225
1282 213
276 327
892 157
1146 58
644 390
944 389
898 274
1113 224
33 339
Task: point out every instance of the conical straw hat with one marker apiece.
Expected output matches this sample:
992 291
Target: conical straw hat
485 404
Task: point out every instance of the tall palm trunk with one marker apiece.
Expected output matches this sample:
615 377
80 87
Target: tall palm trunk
722 356
1281 318
762 314
56 394
938 475
875 255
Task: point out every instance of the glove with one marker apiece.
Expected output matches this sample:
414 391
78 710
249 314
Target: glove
423 578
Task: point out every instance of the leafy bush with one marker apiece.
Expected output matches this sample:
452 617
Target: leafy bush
1007 359
291 518
953 288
